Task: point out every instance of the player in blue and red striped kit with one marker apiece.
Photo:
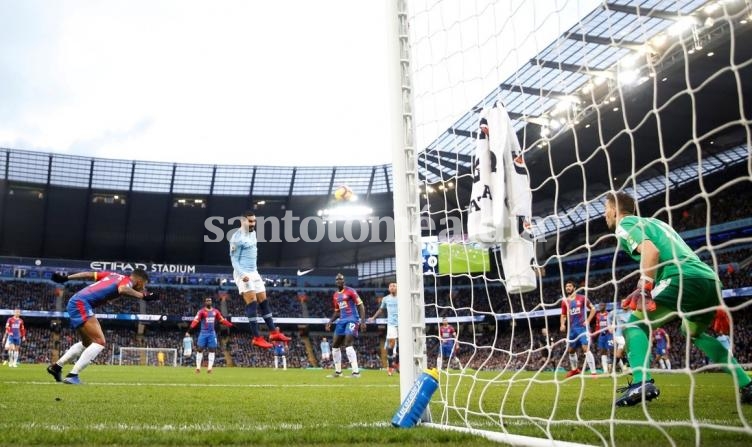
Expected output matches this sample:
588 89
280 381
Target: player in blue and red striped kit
350 314
207 338
107 286
662 344
15 333
280 352
573 309
604 328
447 345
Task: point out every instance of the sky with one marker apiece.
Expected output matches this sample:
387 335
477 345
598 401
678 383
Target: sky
287 82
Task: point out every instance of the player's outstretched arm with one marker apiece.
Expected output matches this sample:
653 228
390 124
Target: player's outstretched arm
375 316
130 291
60 278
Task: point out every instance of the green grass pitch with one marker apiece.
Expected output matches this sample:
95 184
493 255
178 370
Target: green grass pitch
241 406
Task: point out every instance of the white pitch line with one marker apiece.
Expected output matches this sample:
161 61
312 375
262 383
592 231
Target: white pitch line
205 385
182 427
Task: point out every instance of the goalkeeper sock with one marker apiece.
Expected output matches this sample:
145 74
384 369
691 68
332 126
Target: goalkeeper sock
352 356
89 354
604 362
199 359
590 360
266 314
250 312
337 357
717 353
573 361
72 352
210 363
637 340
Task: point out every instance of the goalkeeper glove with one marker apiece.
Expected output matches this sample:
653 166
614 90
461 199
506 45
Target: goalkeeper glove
59 277
642 298
150 296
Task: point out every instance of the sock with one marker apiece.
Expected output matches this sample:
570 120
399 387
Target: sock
352 356
89 354
250 312
72 352
15 357
390 360
590 360
604 363
211 361
276 362
266 314
337 356
621 365
199 359
717 353
573 361
662 363
284 361
668 363
438 362
637 340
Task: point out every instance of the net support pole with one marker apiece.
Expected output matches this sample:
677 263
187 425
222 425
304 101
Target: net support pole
407 230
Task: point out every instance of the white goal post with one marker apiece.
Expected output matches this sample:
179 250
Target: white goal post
147 356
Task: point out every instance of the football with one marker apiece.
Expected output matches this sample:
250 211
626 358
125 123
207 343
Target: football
343 193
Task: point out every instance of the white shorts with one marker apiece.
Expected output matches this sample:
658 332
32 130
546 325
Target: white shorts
254 284
619 341
392 332
325 356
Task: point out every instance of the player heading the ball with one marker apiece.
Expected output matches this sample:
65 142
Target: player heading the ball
244 257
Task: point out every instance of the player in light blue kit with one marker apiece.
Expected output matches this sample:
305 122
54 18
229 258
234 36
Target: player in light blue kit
390 304
244 255
326 352
620 319
187 346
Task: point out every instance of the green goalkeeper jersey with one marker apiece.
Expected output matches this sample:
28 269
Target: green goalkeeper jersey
675 256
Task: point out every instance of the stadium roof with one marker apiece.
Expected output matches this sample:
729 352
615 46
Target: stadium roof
185 178
593 47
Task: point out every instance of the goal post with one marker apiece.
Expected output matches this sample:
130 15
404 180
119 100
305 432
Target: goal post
131 356
600 96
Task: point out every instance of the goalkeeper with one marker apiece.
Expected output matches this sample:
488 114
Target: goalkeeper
107 286
673 279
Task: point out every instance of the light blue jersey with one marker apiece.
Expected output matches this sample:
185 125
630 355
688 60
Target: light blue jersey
390 304
620 318
243 251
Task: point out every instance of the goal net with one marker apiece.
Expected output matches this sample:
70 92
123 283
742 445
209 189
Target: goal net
148 356
517 118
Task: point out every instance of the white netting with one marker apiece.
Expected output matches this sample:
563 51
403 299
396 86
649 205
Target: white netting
647 97
148 356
